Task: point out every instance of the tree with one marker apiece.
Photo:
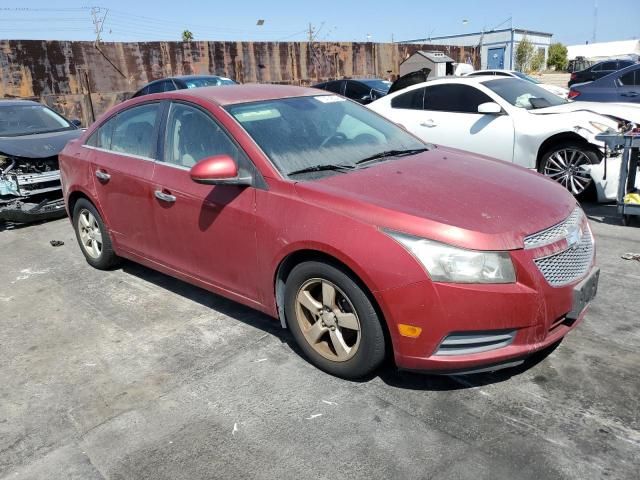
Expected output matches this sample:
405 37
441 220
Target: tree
557 56
537 62
187 36
524 54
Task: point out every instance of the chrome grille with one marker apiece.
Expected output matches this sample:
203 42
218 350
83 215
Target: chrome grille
569 265
555 233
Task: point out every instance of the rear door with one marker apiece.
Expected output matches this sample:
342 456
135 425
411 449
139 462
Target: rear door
451 118
125 148
629 87
204 231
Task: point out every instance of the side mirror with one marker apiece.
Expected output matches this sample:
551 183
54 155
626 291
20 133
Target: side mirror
76 122
218 170
489 108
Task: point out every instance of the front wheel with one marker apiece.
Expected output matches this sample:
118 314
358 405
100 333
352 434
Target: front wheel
564 163
333 320
93 236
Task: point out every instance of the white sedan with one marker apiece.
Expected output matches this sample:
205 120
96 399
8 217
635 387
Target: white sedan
560 91
504 118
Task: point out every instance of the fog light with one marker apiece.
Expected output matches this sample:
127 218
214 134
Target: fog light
409 330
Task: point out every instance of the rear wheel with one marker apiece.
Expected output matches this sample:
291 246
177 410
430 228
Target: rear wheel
93 237
333 320
564 163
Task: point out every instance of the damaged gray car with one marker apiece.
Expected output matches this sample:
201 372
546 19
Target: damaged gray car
31 136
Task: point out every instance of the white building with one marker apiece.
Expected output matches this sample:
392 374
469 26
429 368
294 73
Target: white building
603 50
498 47
439 63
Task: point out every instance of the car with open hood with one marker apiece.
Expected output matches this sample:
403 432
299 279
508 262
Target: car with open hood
364 241
31 137
505 118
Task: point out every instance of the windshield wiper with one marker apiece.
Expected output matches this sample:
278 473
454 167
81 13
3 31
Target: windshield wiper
338 167
391 153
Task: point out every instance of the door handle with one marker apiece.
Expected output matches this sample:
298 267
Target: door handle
102 175
428 124
165 197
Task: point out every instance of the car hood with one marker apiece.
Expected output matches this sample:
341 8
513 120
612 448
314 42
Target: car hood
449 196
624 111
40 145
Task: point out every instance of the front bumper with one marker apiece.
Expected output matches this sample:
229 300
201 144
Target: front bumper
531 311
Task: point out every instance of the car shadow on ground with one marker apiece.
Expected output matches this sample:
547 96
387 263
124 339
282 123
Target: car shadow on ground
388 373
606 213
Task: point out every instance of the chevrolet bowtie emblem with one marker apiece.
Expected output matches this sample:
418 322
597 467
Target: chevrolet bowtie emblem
573 237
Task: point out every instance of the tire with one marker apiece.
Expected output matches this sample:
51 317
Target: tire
567 157
93 236
350 339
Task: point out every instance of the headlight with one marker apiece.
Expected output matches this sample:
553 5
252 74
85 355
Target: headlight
445 263
601 127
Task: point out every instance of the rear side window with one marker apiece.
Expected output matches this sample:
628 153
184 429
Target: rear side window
413 100
609 66
454 98
356 91
131 132
335 87
631 78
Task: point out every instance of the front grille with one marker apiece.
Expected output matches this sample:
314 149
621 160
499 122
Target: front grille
475 342
555 233
569 265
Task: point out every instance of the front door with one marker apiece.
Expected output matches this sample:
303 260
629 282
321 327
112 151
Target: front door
450 118
495 59
629 87
204 231
124 149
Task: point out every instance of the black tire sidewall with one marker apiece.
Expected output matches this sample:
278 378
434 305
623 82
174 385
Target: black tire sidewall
107 258
371 351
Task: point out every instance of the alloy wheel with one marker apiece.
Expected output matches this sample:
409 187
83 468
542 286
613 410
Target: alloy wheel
90 234
328 320
565 167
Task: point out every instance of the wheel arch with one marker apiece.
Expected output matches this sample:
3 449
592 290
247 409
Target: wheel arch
309 254
559 138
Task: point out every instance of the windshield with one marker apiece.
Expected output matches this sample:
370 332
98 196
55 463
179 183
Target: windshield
523 94
208 82
380 85
526 77
18 120
304 132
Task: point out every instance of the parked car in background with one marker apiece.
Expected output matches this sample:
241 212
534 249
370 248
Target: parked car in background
598 70
560 91
182 82
317 211
363 91
31 136
620 86
504 118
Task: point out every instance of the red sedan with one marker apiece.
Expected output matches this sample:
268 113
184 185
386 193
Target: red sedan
360 238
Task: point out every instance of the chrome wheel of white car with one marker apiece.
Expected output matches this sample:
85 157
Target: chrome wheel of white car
565 164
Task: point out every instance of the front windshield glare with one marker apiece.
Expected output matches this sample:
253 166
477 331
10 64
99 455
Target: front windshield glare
29 119
304 132
523 94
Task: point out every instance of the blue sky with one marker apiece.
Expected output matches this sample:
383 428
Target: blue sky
570 21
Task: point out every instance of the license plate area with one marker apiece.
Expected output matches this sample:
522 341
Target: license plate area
583 293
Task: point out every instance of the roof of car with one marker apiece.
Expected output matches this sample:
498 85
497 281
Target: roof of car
13 103
252 92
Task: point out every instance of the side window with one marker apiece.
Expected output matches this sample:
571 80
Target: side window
159 87
630 79
609 66
192 135
454 98
101 138
356 90
501 74
335 87
413 100
134 131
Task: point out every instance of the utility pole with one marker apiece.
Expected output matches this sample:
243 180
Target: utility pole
98 21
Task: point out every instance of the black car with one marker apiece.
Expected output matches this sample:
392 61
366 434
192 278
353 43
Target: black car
362 90
621 86
182 82
31 137
598 70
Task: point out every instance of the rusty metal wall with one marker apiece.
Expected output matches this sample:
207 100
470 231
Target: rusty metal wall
64 73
